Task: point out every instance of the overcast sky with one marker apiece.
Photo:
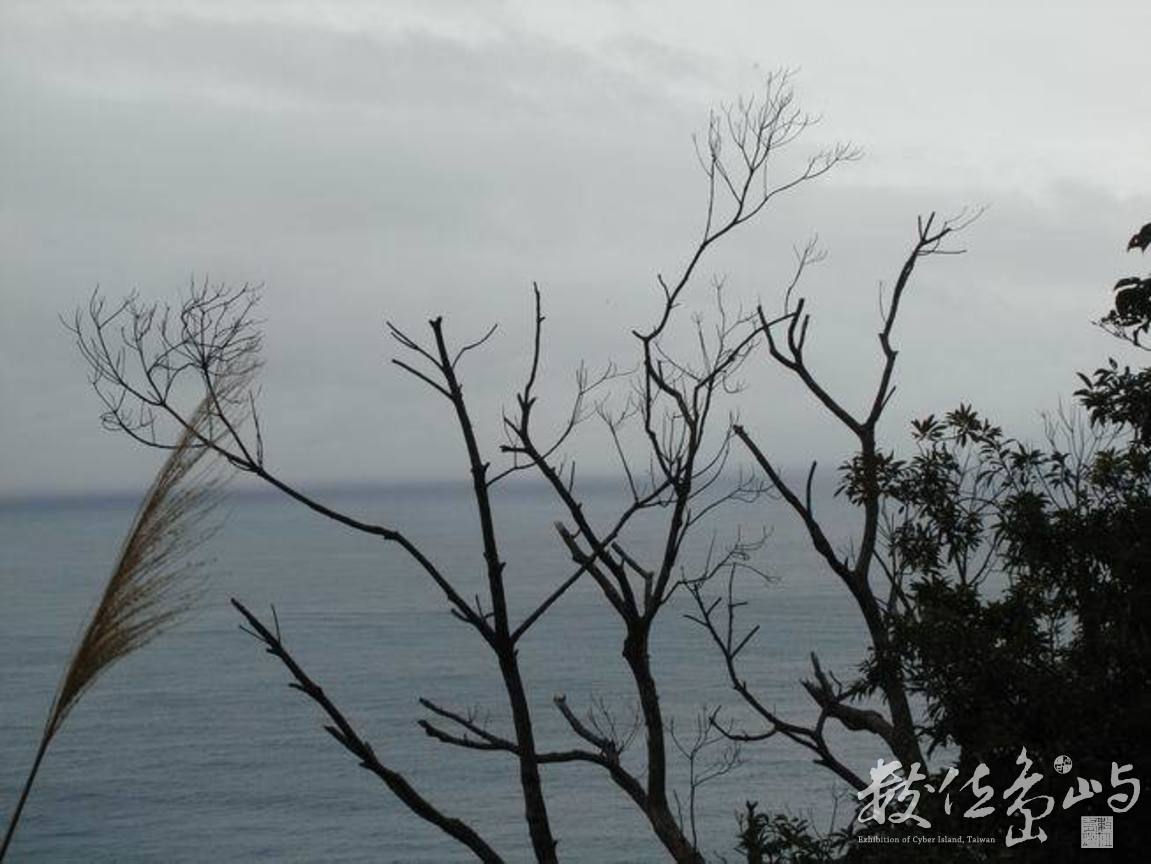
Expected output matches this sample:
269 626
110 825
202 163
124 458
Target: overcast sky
401 160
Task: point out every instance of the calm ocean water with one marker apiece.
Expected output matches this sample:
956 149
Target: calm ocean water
194 750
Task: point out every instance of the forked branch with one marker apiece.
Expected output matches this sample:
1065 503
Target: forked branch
342 730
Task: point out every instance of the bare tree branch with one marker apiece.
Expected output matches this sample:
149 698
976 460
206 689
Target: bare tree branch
341 729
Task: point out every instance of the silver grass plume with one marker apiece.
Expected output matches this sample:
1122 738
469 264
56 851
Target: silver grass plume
154 582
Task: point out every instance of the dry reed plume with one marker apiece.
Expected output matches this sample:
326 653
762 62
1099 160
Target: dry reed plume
153 583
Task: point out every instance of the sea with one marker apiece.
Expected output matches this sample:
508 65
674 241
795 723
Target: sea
194 749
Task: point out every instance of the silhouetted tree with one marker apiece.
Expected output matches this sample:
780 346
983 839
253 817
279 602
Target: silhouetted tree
1007 592
1003 587
146 359
785 338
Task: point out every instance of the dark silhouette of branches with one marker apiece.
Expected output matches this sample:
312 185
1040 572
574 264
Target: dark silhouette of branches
671 434
702 740
786 340
718 616
673 400
145 362
341 729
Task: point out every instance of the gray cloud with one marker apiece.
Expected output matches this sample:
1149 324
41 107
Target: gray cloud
366 164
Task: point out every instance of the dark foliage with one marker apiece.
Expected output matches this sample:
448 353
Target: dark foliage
1023 610
781 839
1020 613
